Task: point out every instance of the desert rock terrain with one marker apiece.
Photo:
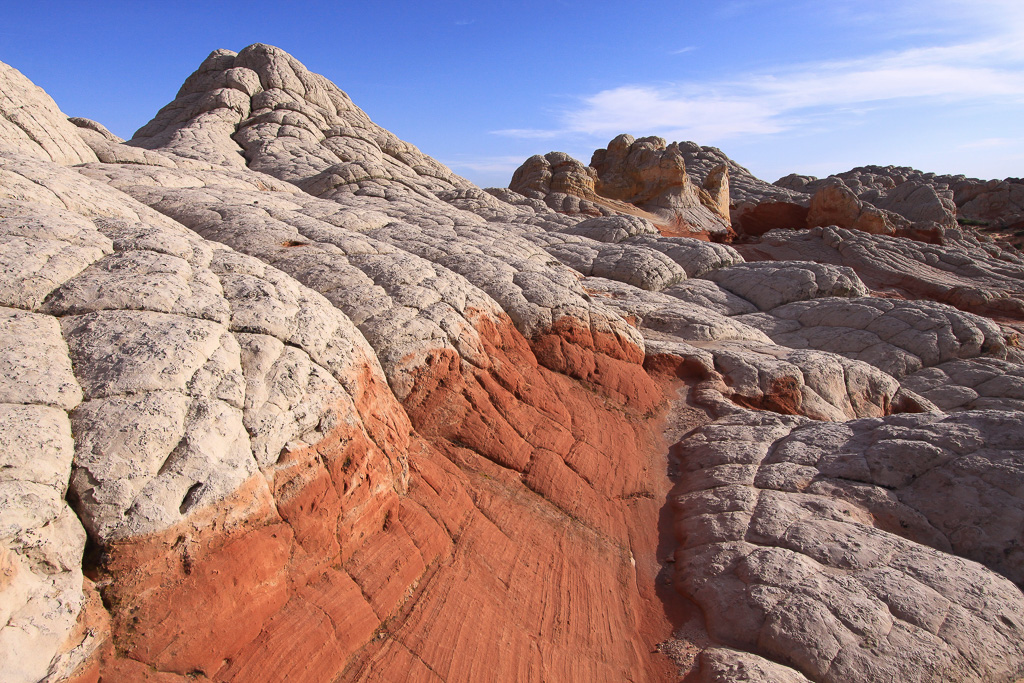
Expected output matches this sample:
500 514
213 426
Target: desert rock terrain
283 398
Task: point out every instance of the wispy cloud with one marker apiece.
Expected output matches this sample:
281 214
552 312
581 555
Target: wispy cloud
992 143
790 97
495 164
529 133
683 50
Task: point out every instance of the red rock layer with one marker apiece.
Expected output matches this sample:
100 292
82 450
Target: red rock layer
680 228
523 547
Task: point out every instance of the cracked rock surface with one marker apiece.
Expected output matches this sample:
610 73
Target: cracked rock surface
280 393
810 543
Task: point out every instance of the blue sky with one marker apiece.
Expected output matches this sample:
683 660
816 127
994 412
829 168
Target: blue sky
781 86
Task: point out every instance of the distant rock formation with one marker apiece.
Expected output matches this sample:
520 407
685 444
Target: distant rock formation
835 204
648 175
283 398
563 183
909 203
932 203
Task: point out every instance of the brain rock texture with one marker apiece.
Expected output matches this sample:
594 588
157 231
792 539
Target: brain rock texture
284 399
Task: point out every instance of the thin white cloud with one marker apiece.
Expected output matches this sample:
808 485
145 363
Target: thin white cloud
528 133
787 98
992 143
495 164
683 50
914 19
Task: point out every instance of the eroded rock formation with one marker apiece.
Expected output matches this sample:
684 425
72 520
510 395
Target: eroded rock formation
645 177
283 398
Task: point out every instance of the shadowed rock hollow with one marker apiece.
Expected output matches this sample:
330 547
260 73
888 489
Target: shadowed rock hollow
284 399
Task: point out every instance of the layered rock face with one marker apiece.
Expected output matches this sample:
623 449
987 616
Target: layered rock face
645 177
677 184
929 197
892 200
284 399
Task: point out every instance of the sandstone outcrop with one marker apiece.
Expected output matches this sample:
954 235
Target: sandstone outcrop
808 543
645 177
835 204
561 182
967 273
878 199
768 285
30 122
283 398
934 204
972 384
755 206
651 174
997 203
899 337
927 196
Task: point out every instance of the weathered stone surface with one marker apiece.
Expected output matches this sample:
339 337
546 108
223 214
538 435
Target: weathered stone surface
561 182
757 219
795 182
771 284
707 294
958 472
34 363
612 229
880 199
637 265
971 275
405 305
999 203
695 256
899 337
721 665
931 197
744 186
974 384
656 312
716 190
31 123
753 372
144 280
798 549
651 174
835 204
237 423
910 195
28 184
298 378
161 433
755 206
917 202
630 179
41 541
94 126
41 248
935 204
823 386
